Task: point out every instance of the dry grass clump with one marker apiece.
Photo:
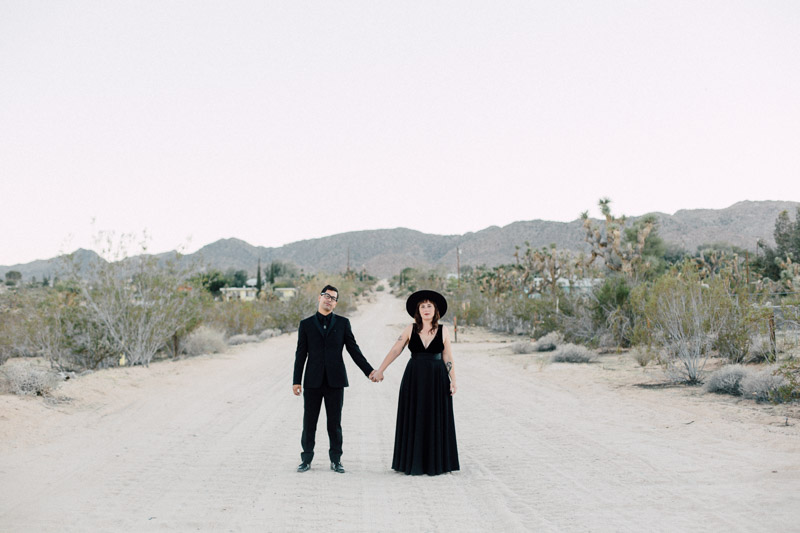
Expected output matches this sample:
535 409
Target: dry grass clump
643 355
204 340
727 380
522 347
242 339
762 386
268 334
25 379
572 353
549 342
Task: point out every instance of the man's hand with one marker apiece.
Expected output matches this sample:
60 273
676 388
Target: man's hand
297 389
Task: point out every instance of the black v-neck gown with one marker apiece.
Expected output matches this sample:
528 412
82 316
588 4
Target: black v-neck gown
425 435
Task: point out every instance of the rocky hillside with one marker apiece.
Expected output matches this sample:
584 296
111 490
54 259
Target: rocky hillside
385 252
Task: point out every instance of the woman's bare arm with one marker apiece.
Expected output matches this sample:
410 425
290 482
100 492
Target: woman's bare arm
394 353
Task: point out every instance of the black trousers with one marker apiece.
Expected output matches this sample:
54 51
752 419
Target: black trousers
334 400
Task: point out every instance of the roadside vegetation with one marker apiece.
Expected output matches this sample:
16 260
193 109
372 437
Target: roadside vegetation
718 307
132 310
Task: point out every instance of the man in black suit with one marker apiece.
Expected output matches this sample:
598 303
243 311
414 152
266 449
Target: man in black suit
320 339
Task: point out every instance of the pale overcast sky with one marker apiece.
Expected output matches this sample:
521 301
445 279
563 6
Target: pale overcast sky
280 121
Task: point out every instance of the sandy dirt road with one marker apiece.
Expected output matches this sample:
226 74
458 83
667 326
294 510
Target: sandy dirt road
211 444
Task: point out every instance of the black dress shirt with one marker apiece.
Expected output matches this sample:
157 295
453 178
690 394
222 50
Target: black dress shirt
324 321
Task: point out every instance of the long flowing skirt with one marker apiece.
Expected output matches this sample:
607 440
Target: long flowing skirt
425 435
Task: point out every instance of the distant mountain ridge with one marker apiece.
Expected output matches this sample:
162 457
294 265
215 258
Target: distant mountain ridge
385 252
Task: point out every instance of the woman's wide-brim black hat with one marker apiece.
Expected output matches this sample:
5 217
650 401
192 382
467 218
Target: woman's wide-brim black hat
413 301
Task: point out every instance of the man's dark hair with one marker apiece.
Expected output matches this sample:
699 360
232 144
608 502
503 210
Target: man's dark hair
329 288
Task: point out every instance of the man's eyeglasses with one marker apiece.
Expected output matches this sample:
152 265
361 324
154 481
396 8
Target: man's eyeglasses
329 297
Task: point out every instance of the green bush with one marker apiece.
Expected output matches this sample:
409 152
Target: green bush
789 389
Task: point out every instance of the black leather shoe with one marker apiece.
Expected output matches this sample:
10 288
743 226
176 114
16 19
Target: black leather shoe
303 467
337 467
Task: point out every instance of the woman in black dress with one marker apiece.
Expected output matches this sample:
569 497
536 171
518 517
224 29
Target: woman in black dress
425 434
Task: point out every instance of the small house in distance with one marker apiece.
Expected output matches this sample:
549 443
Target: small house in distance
285 293
244 294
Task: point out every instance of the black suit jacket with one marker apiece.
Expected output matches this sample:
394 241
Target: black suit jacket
324 352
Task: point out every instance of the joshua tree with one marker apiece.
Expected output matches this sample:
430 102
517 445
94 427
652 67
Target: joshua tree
607 241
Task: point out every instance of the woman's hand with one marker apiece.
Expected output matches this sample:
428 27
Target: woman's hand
453 388
376 376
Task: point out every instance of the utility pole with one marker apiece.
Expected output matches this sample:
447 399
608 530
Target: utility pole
747 268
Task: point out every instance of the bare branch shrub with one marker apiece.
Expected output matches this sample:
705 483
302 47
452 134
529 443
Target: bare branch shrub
763 386
572 353
139 302
580 325
727 380
26 379
204 340
686 318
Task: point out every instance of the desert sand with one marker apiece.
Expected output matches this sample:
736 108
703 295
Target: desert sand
211 444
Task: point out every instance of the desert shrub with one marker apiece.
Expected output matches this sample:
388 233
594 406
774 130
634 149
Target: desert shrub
253 317
790 389
18 323
242 339
204 340
727 380
685 316
610 307
763 385
739 325
140 302
268 334
761 349
549 342
55 323
380 288
240 318
607 343
68 336
28 379
516 315
572 353
643 355
522 347
578 325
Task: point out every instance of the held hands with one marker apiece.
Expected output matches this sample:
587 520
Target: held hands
453 388
297 389
376 376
